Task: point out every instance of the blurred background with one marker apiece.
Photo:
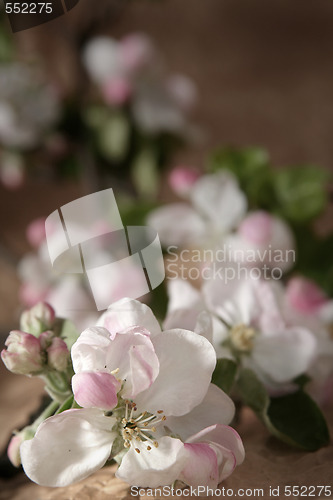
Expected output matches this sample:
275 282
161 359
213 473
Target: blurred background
262 73
258 74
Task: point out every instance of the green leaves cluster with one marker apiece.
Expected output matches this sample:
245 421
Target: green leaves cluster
298 194
293 418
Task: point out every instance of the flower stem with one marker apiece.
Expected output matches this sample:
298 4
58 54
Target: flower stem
48 412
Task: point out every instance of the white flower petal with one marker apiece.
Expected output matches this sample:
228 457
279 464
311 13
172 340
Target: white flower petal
89 351
177 224
187 361
126 313
215 408
157 467
133 355
68 447
181 318
219 198
182 295
285 355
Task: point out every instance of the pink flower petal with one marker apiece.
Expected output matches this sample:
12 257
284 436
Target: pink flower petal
96 390
201 468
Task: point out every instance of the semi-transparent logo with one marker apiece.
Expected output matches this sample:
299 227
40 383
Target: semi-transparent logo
87 236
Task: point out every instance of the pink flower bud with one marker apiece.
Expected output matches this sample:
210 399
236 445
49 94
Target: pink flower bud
58 355
13 450
257 228
38 319
181 179
117 91
35 232
45 339
305 296
23 354
268 237
136 51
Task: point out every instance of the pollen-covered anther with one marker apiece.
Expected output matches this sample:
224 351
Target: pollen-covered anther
137 428
242 337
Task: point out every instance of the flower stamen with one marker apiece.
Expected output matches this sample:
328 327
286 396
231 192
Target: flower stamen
135 428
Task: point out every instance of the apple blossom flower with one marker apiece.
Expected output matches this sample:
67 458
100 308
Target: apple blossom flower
147 401
217 207
130 71
258 332
23 354
263 239
306 303
248 323
106 58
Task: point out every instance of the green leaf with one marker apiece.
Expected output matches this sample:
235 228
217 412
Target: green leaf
301 192
294 419
243 163
225 374
135 213
251 167
253 392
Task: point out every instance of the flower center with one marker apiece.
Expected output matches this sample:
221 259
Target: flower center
242 337
139 427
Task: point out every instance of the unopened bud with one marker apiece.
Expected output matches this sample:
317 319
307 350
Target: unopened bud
305 296
45 339
23 354
181 179
13 450
38 319
58 355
